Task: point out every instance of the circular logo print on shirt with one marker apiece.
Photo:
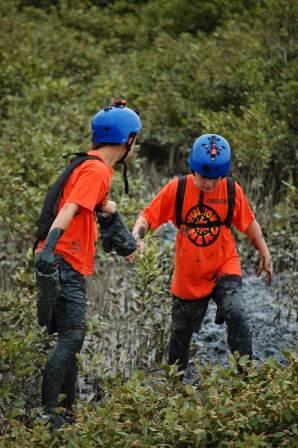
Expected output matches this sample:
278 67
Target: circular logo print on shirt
196 232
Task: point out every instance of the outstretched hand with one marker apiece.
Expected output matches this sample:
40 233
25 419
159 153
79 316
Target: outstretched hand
265 266
140 249
141 246
139 231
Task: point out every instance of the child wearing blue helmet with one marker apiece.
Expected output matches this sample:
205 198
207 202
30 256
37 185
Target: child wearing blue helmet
207 264
66 254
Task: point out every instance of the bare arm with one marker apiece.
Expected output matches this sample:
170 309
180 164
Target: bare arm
139 231
254 234
140 228
65 215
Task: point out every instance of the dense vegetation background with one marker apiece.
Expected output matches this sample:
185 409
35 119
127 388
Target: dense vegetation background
226 66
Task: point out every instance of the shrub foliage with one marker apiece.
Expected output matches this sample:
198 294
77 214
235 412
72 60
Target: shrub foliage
188 67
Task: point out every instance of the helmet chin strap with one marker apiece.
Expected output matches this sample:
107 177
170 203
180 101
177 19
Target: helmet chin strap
124 172
125 178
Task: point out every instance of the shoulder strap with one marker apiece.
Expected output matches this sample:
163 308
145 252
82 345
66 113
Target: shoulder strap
51 202
231 201
61 181
179 199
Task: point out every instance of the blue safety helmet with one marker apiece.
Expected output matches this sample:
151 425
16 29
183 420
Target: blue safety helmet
115 124
210 156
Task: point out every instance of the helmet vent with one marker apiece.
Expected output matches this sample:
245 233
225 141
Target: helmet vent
106 129
206 168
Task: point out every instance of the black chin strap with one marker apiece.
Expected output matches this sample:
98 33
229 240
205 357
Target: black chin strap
201 200
125 178
124 172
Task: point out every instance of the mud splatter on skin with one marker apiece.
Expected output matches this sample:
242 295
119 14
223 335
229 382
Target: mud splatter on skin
142 232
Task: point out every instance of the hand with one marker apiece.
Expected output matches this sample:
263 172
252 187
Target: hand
46 261
109 208
139 231
141 246
131 257
265 266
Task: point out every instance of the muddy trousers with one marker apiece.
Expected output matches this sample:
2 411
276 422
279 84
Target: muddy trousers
60 373
187 317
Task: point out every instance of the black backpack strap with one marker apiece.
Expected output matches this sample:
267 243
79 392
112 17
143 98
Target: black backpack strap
53 196
231 201
179 199
61 181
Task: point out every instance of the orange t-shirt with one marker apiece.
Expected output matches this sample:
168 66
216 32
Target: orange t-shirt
88 186
203 255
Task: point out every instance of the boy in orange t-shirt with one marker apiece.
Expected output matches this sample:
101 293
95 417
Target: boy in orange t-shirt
68 252
207 263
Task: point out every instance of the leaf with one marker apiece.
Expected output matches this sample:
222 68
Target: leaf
278 435
244 360
19 403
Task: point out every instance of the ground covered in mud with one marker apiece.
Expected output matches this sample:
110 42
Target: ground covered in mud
274 328
273 324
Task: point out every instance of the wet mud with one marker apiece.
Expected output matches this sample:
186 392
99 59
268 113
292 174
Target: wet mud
273 326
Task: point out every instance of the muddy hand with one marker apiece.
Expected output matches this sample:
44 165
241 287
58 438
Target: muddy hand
141 246
140 249
131 257
265 266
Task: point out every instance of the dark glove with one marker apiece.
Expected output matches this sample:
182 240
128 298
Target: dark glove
47 279
104 223
46 261
48 291
115 235
219 317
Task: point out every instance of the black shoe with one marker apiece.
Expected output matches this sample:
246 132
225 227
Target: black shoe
57 421
54 420
68 417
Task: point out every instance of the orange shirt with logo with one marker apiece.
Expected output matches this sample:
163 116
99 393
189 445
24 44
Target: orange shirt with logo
88 186
203 255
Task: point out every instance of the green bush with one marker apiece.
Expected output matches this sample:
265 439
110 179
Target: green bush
223 66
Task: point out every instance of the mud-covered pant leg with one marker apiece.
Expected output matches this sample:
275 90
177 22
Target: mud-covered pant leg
68 388
187 316
60 373
229 299
61 370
